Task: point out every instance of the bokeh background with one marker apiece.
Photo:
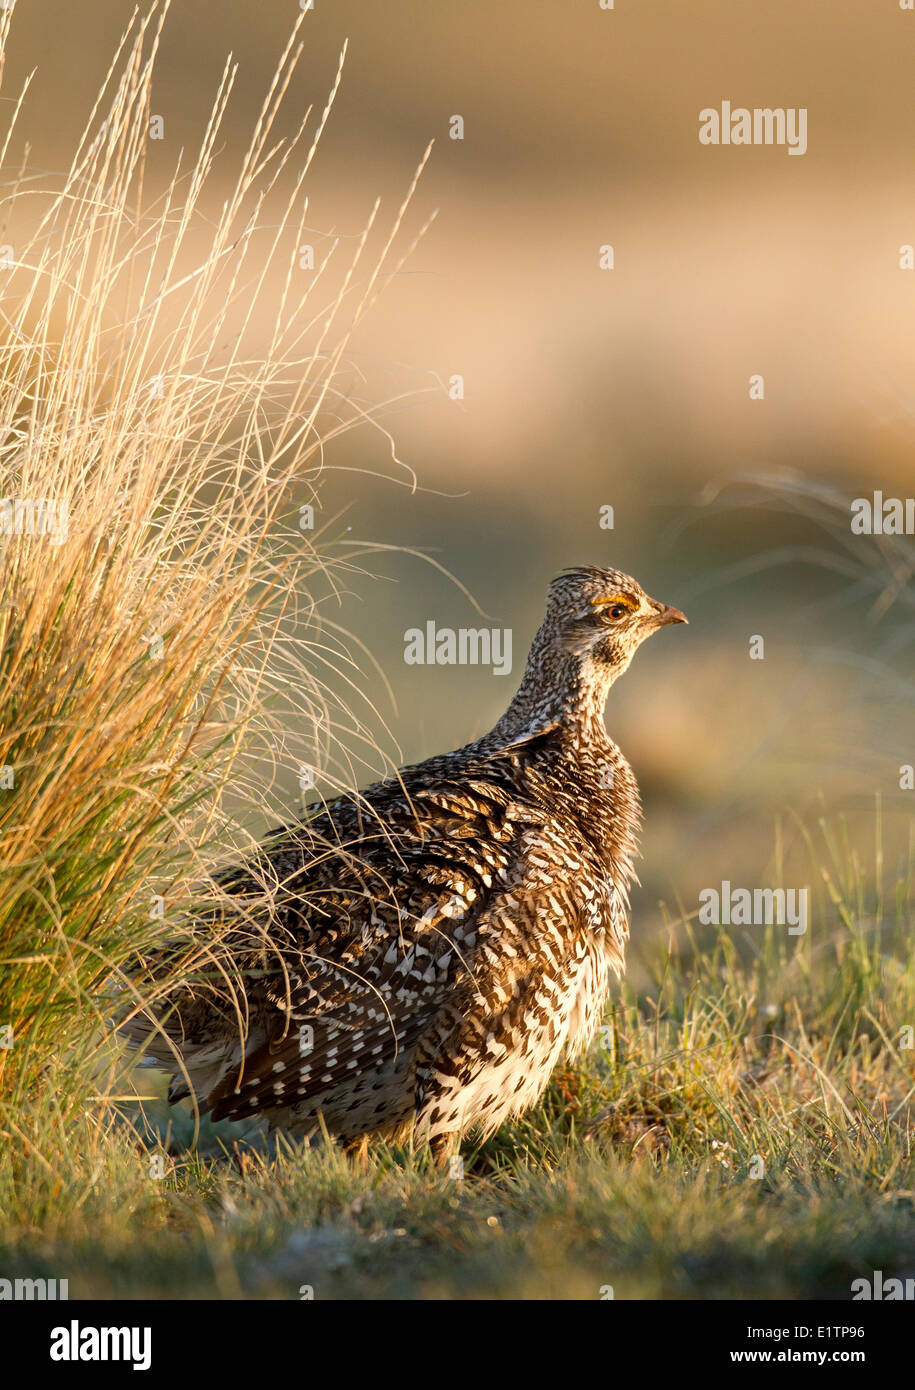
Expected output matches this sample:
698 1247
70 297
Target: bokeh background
586 387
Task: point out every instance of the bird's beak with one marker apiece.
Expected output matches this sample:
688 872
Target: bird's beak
667 615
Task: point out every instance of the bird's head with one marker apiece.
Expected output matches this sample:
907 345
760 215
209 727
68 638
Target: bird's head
596 619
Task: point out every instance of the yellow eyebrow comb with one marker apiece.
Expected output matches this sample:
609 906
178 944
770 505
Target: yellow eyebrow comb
614 598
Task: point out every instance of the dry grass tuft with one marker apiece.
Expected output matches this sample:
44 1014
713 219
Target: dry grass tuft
161 621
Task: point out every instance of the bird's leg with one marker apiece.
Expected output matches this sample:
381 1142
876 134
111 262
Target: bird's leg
359 1150
444 1147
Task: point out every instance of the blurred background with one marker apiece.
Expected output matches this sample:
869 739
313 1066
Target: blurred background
585 387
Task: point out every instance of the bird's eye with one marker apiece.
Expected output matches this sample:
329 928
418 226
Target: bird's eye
618 610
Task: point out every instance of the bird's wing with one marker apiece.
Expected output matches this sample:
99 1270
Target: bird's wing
374 933
486 895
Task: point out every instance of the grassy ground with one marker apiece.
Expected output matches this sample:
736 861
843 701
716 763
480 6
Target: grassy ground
742 1129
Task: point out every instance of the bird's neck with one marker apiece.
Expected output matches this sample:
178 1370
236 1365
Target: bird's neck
577 755
560 694
532 712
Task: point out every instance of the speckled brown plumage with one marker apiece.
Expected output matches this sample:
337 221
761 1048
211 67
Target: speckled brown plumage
434 942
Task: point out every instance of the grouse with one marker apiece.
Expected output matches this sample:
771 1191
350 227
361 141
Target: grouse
415 956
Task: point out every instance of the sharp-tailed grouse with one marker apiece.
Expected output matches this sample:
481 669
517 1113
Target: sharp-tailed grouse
418 954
